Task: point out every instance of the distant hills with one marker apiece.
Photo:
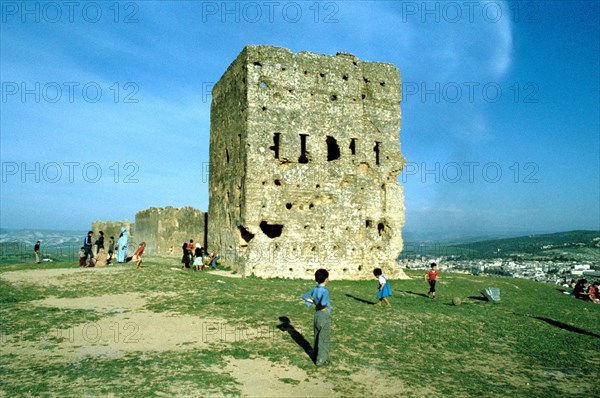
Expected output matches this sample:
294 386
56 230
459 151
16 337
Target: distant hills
16 246
561 246
572 245
54 238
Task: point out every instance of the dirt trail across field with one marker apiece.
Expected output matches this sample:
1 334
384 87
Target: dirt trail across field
127 327
55 277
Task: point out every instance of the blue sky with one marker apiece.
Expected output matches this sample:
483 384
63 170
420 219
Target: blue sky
105 106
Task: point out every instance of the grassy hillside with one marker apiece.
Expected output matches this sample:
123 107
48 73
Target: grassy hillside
572 245
537 342
541 245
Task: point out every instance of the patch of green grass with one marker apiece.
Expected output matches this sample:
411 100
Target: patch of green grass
535 342
154 374
24 322
287 380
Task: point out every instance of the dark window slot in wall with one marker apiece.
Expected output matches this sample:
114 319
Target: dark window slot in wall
376 149
353 146
303 158
275 147
333 149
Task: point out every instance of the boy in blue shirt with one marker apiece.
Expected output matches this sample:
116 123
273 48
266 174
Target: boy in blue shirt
319 296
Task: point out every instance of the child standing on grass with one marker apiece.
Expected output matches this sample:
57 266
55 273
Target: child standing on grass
319 296
198 264
431 276
111 248
82 257
384 290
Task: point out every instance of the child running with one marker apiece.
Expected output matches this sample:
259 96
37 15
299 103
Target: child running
384 290
137 256
431 276
319 296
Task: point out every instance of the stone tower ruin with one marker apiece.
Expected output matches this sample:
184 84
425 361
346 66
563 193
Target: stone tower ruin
305 155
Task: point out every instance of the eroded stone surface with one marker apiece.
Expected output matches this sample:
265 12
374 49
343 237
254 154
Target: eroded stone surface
163 229
305 155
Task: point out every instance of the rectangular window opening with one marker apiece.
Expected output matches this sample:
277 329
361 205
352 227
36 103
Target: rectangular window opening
275 146
376 149
303 158
353 146
333 149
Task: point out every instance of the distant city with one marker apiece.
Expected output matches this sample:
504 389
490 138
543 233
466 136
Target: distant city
557 272
550 258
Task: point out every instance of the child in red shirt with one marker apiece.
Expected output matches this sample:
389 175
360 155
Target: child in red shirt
431 276
137 256
593 293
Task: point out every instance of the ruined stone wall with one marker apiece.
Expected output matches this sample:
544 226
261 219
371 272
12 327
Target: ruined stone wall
305 155
165 229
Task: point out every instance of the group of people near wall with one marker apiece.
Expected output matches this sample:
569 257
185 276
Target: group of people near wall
194 254
87 258
582 290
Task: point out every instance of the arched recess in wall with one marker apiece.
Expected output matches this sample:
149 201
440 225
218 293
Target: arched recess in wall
333 149
246 235
271 230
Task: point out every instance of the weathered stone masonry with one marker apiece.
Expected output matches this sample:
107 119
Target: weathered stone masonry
163 229
305 155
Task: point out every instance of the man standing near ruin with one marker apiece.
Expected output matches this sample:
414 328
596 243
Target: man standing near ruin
87 246
36 249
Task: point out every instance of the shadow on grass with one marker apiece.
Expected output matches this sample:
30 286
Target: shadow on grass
361 300
286 326
417 294
565 290
566 326
563 326
479 298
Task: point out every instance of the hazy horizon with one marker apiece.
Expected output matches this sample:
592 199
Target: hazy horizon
408 236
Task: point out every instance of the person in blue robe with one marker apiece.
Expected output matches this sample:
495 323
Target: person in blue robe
122 246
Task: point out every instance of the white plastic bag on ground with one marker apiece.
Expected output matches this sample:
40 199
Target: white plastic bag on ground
492 294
